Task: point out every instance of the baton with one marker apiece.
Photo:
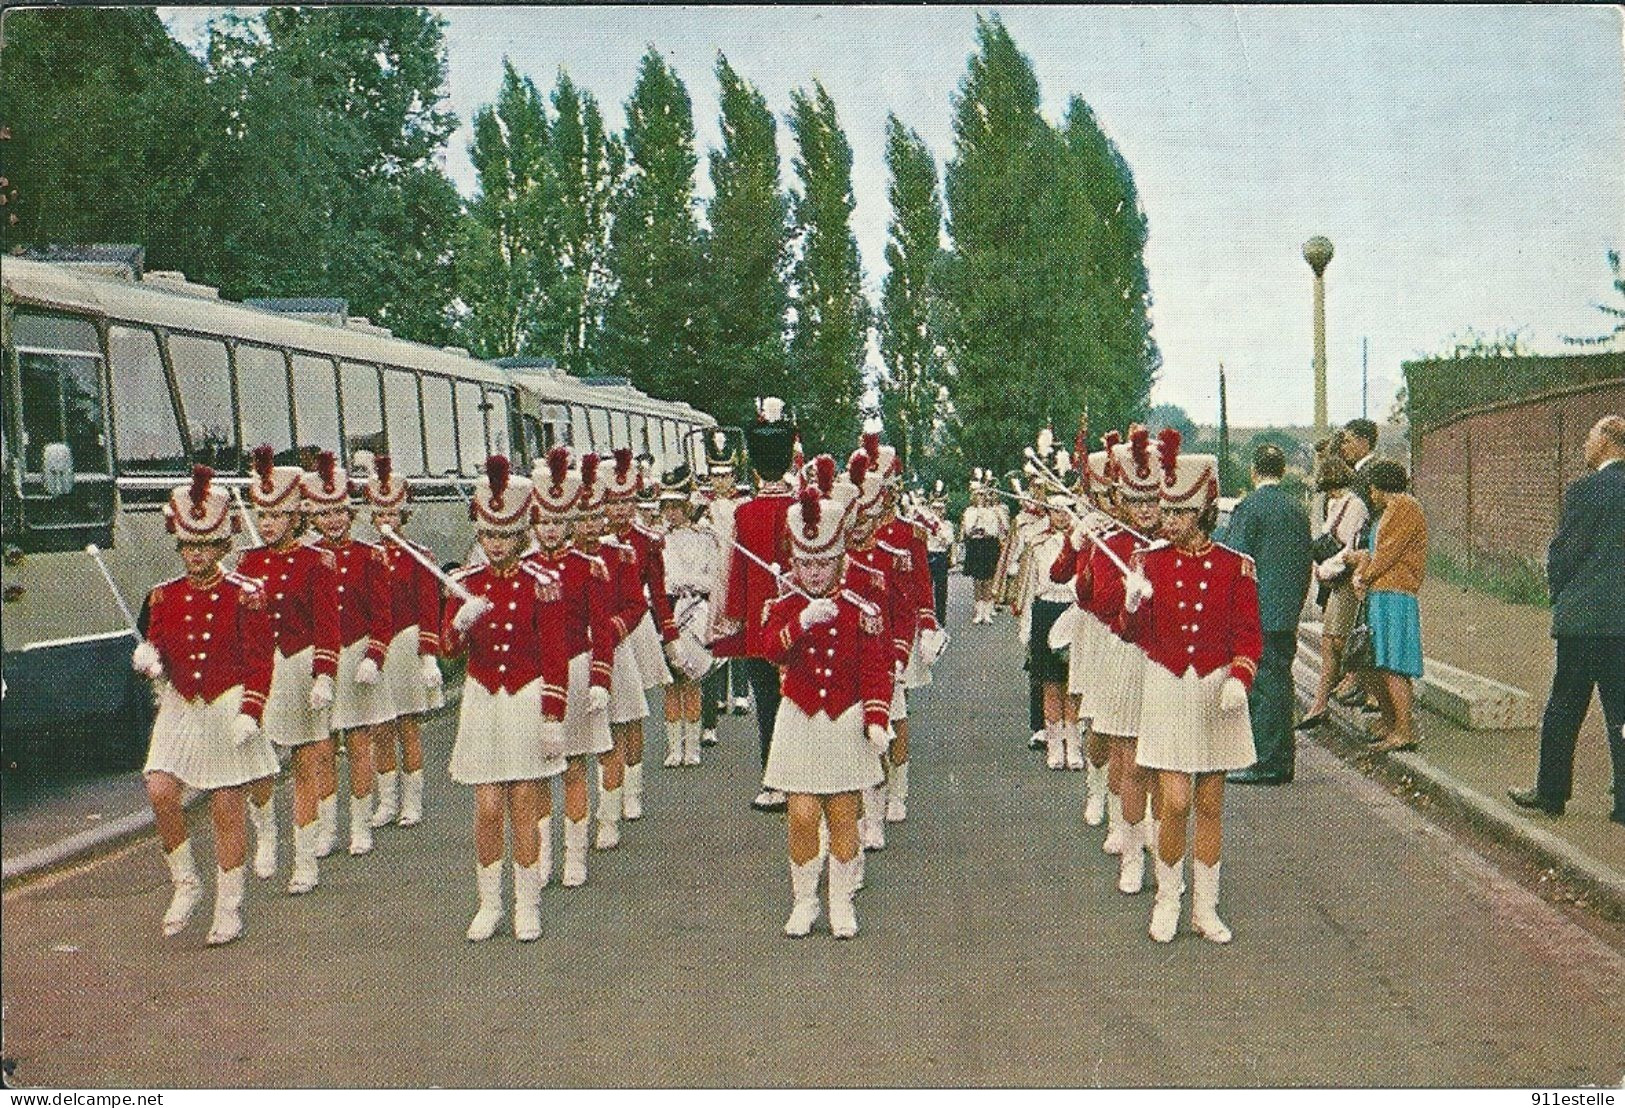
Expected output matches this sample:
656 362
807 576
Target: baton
778 574
444 578
1104 549
118 598
1045 471
253 532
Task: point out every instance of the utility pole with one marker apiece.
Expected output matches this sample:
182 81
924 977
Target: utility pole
1318 253
1224 430
1365 376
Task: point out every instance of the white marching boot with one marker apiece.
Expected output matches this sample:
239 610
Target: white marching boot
1131 863
872 824
691 742
228 907
1057 746
327 825
388 794
1073 743
897 794
1096 789
188 889
609 815
544 856
632 792
1205 919
264 821
485 921
360 825
1170 890
708 737
305 874
575 852
674 743
1113 842
843 921
1037 741
527 903
411 799
805 908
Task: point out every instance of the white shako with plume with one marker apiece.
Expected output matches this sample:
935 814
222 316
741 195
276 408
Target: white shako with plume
199 512
557 487
273 487
502 502
387 490
328 487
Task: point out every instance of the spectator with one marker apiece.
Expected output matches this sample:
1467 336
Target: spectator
1272 528
1358 443
1388 575
1585 569
1346 517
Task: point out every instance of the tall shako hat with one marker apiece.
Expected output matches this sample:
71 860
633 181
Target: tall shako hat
770 439
502 502
591 474
386 489
556 487
328 487
817 525
1138 465
882 459
624 481
273 487
719 452
199 512
1188 480
677 483
860 486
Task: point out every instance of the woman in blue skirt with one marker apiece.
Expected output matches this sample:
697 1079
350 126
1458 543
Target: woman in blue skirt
1389 575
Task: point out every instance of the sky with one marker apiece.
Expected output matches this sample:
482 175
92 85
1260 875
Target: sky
1468 163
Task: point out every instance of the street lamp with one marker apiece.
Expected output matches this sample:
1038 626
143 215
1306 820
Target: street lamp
1318 253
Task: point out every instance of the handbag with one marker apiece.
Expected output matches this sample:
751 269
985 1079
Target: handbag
1327 545
1359 650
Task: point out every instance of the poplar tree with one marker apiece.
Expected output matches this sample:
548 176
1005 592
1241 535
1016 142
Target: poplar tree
587 165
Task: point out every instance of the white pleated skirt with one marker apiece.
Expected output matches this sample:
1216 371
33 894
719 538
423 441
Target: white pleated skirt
403 674
626 700
650 653
499 737
1118 694
584 732
899 700
288 719
192 741
1183 728
815 754
1080 660
916 675
359 705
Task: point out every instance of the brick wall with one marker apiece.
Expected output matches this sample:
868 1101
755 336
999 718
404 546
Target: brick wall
1492 481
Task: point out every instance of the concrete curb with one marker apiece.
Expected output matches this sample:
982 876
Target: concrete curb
1601 882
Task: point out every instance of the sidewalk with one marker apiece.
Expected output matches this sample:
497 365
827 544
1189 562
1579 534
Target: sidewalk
1471 770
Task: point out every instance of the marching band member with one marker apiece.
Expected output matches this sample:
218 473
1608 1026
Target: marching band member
302 599
718 501
939 549
207 640
589 643
1047 600
830 727
691 561
361 701
411 664
510 727
654 650
984 526
759 539
1193 605
1033 520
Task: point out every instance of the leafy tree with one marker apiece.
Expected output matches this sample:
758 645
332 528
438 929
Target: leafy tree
588 165
1614 312
830 334
1171 415
746 258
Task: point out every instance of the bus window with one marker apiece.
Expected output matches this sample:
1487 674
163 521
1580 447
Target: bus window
405 429
620 430
471 427
497 425
637 436
315 405
60 387
144 427
579 436
598 419
363 416
438 423
203 379
262 398
535 439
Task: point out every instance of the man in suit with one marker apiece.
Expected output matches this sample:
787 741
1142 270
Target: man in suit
1358 442
1585 570
1272 528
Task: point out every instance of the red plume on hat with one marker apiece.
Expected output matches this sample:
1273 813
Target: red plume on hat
1139 445
857 467
325 465
623 463
824 469
871 446
811 512
199 492
1168 439
558 466
589 473
264 462
382 467
497 470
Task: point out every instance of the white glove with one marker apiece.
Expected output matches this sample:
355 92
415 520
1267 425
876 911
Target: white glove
878 738
674 657
470 613
1136 591
430 671
597 699
146 661
933 641
552 739
367 672
321 693
243 730
1233 697
819 611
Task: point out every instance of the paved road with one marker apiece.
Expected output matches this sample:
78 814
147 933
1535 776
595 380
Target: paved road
1371 949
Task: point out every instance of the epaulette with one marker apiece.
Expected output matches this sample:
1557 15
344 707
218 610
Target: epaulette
329 559
378 553
548 584
594 563
251 594
1249 568
649 532
866 606
869 621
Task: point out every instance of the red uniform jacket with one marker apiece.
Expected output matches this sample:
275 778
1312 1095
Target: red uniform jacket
651 548
1100 583
584 580
759 526
414 596
627 602
520 639
302 597
832 666
1203 611
213 638
916 568
873 574
366 605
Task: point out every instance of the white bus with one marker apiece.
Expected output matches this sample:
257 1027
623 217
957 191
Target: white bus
114 387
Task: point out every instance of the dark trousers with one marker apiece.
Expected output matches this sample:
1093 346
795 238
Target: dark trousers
1035 703
1583 662
764 687
1271 702
939 584
712 689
